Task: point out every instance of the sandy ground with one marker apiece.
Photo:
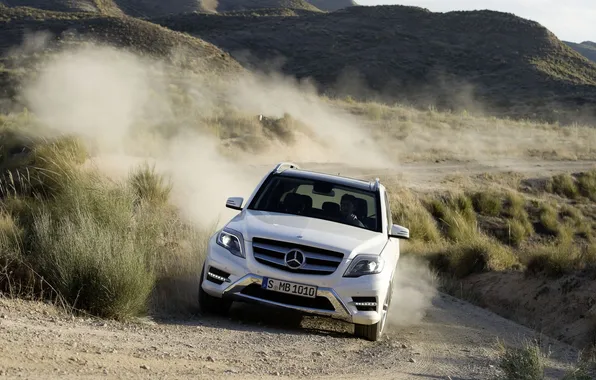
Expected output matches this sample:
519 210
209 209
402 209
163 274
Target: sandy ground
455 340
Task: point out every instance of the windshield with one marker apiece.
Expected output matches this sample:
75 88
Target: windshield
319 199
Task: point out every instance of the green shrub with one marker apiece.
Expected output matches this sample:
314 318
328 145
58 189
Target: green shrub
564 185
93 253
586 184
150 186
517 232
558 259
478 255
514 205
524 363
408 211
549 220
487 203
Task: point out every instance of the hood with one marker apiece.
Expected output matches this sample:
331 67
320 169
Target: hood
308 231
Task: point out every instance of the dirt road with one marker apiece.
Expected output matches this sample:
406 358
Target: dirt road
455 340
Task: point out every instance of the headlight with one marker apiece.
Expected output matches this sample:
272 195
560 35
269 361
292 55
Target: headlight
365 264
232 241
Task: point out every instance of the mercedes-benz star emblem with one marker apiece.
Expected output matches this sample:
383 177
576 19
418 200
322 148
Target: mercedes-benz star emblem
295 259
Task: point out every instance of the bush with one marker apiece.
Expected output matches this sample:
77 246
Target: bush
456 217
150 186
408 210
564 185
514 206
549 220
93 267
487 203
100 246
478 255
586 184
524 363
518 232
558 259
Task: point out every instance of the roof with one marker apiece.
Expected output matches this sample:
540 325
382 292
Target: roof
340 180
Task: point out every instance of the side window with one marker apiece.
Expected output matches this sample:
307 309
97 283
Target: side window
388 211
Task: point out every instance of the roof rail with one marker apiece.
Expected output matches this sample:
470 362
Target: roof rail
285 165
375 185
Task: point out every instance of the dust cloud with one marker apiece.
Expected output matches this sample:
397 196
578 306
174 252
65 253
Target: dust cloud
117 100
414 288
209 5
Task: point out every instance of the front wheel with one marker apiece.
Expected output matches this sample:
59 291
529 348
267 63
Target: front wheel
210 304
375 332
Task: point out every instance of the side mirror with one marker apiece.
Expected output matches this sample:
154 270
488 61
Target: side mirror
399 232
235 203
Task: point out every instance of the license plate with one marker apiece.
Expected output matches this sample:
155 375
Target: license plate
289 287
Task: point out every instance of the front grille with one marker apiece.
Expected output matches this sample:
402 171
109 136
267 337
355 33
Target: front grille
319 302
318 261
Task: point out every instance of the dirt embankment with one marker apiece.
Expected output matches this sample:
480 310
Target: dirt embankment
564 308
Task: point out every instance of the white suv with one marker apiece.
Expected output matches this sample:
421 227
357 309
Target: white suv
316 243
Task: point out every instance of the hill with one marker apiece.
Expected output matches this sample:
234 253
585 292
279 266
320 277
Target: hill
332 5
586 48
242 5
134 8
137 35
504 63
101 6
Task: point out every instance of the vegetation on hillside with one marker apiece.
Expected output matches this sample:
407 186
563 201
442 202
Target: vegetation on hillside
451 60
242 5
142 37
70 234
540 230
586 48
107 7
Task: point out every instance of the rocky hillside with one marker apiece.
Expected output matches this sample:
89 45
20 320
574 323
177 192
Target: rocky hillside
135 8
496 61
157 8
586 48
58 28
101 6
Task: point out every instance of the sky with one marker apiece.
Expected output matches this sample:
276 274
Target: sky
569 20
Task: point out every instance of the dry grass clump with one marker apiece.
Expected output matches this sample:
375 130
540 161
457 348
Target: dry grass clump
557 259
564 185
528 362
488 203
408 210
586 183
522 363
491 230
458 247
100 246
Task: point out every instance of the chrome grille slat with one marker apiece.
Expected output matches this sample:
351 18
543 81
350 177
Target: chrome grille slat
269 259
320 268
318 261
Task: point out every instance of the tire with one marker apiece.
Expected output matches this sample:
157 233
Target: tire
209 304
375 332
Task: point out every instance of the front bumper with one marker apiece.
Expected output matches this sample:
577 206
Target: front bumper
241 279
340 311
